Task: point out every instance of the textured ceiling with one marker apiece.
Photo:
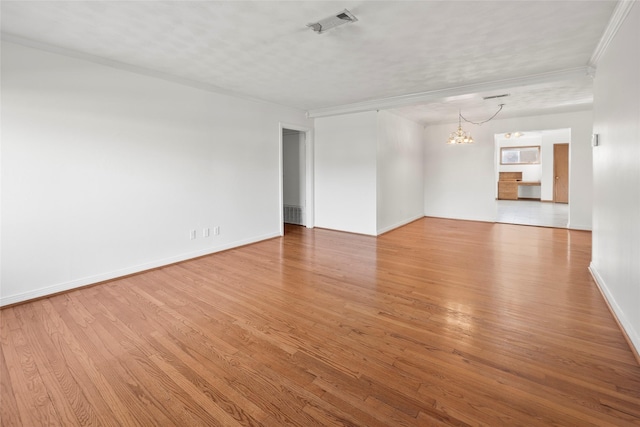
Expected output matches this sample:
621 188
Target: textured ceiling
565 95
264 50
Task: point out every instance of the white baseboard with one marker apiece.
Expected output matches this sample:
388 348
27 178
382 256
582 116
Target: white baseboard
581 227
399 224
631 335
462 218
90 280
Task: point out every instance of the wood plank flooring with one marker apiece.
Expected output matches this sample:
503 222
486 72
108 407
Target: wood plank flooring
440 322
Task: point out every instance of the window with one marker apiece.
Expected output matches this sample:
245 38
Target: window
529 155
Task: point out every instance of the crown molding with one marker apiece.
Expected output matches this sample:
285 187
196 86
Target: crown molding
440 94
617 18
136 69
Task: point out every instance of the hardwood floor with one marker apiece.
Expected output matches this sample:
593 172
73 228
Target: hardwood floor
440 322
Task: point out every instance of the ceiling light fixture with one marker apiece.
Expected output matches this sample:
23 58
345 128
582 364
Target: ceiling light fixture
496 96
462 137
515 135
332 21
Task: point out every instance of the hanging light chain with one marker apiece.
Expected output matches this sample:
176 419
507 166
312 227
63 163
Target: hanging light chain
462 137
484 121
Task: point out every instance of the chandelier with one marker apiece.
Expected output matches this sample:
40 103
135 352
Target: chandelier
462 137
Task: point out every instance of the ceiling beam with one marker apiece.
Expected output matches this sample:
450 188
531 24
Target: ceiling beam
442 94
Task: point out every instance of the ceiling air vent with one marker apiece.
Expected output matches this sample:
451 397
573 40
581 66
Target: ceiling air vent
496 96
332 21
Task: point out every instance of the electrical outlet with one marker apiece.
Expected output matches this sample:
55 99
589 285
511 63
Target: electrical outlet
216 230
192 234
205 232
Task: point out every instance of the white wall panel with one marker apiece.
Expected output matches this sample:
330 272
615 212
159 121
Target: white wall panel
616 165
105 172
400 189
345 173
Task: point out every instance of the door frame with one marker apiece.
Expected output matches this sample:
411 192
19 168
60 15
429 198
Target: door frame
309 174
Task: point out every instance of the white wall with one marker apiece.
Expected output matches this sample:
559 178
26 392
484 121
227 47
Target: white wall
616 164
368 172
460 179
400 190
105 172
345 173
293 168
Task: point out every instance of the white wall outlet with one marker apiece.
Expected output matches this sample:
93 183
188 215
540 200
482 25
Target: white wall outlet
205 232
192 234
216 230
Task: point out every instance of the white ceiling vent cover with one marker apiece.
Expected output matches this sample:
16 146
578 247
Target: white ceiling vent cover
333 21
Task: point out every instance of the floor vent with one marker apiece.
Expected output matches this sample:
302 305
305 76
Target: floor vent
293 214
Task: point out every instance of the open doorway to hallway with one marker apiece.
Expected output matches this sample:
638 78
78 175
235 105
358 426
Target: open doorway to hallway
296 176
532 175
293 177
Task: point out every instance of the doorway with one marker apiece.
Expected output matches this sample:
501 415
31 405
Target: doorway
293 177
296 176
541 198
